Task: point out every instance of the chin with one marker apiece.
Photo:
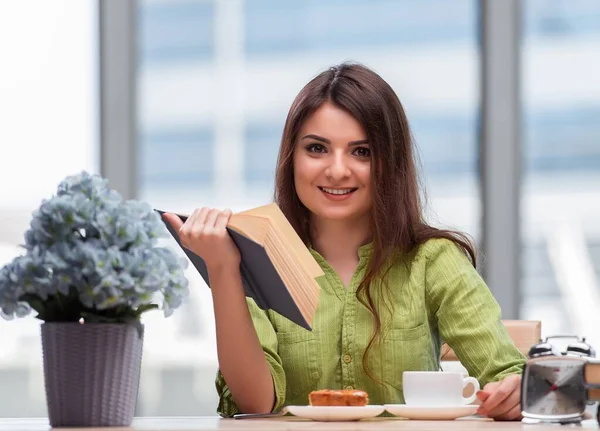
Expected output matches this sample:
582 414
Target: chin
338 214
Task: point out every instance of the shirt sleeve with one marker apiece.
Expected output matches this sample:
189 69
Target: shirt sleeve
268 340
468 316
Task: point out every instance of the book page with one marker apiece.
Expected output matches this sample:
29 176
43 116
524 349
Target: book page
283 226
253 227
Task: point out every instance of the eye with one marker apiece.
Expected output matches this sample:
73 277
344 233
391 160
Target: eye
315 148
362 152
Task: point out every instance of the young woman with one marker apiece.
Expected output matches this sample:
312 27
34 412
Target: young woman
395 287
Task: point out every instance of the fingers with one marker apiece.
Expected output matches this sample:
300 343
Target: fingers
211 218
513 414
193 227
504 397
198 220
222 220
173 220
202 222
498 393
483 395
204 233
511 402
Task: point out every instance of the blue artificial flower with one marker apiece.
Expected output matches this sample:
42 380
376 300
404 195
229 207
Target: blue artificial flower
86 241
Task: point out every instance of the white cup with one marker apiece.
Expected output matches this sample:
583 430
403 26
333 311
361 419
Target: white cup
437 388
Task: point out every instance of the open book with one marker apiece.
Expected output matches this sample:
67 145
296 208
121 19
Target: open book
278 271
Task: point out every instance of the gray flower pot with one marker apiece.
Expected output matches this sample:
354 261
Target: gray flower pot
91 373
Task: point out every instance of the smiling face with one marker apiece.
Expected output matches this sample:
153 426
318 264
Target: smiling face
332 165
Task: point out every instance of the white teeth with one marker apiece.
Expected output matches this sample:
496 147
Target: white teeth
337 191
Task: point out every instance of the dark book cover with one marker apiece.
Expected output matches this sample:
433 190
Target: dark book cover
259 277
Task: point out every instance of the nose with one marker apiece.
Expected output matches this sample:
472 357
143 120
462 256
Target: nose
338 168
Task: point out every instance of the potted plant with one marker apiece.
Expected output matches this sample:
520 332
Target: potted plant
91 267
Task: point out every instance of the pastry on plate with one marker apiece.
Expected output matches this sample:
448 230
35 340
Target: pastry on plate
342 397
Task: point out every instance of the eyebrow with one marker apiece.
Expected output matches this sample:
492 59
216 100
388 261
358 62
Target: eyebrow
327 141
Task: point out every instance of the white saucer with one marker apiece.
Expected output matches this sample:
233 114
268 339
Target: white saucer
342 413
431 412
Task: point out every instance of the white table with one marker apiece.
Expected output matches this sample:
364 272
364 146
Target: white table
291 424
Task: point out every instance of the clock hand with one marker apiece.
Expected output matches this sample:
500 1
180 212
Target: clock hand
548 382
569 377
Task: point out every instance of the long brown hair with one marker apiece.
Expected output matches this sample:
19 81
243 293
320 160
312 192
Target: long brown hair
398 224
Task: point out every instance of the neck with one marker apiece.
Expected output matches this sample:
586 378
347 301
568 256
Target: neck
337 240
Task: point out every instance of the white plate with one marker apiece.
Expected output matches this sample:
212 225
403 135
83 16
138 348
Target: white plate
430 412
341 413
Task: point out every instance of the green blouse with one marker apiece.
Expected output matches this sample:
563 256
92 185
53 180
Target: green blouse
436 295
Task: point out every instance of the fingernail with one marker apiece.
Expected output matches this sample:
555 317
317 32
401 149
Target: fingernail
480 412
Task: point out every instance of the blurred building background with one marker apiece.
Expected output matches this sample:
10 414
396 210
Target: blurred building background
211 83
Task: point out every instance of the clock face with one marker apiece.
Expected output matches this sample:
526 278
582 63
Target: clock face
553 387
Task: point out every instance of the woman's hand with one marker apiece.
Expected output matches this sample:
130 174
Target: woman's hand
205 233
501 400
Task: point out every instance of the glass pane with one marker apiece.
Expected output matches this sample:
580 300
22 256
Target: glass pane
48 117
561 137
216 80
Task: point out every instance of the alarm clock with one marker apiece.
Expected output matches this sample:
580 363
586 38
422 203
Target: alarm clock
553 385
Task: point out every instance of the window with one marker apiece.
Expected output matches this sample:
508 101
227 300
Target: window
561 149
48 111
176 135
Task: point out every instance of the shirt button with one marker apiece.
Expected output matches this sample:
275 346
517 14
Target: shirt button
349 387
347 359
